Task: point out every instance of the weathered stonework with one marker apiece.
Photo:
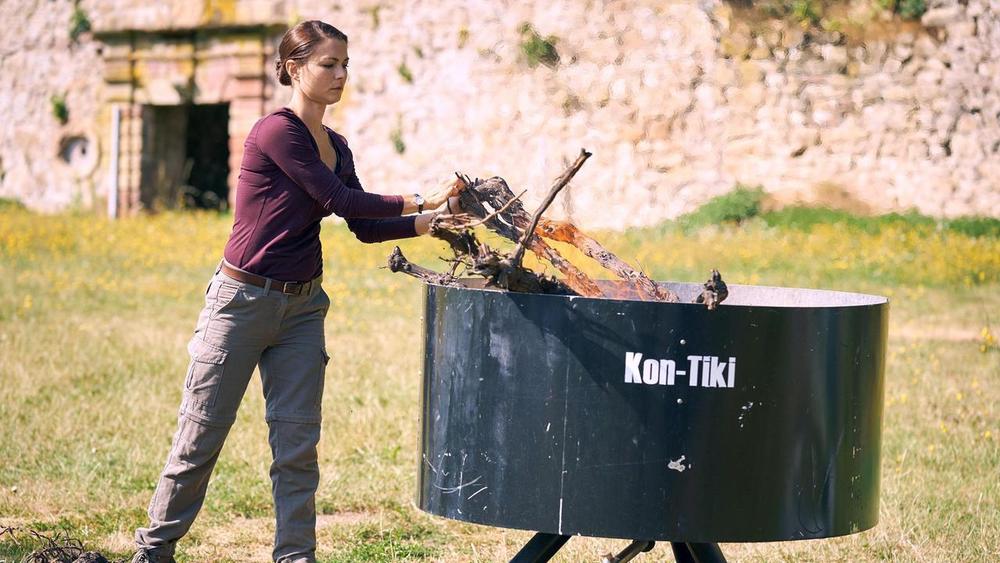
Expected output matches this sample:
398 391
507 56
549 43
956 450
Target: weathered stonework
677 101
38 62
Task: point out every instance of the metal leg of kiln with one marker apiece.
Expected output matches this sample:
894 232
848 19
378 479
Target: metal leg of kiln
697 553
629 553
540 548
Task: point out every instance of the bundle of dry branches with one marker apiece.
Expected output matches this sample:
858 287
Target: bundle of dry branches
57 548
492 204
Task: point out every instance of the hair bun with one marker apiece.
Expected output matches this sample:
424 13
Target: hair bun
279 68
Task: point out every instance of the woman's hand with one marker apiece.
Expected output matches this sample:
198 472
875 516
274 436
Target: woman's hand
435 198
422 222
451 207
439 196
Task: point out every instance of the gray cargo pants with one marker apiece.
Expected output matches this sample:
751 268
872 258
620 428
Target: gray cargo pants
243 326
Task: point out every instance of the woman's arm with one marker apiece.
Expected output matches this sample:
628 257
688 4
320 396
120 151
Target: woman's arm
369 230
381 230
290 146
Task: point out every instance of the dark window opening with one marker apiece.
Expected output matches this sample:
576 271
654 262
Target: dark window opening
185 157
208 150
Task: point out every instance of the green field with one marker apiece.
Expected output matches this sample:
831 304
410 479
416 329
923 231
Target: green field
94 317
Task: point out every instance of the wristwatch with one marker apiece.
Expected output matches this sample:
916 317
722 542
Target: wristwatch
419 200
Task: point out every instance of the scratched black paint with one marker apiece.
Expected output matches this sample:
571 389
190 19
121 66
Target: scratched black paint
528 422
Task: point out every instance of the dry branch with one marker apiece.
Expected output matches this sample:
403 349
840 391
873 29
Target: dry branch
567 232
559 184
487 263
714 291
399 263
492 204
492 200
482 197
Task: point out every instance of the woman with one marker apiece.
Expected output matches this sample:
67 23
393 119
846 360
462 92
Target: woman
265 306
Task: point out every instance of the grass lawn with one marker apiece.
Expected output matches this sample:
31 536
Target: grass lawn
94 317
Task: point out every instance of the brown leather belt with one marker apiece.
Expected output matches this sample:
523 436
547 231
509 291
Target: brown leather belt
290 288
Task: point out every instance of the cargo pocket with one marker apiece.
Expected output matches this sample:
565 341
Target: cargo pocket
205 373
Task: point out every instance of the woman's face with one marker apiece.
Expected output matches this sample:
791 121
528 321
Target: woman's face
324 75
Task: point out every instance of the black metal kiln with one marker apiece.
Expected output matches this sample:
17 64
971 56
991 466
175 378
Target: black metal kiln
758 421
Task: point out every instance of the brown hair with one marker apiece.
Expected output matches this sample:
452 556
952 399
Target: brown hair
299 43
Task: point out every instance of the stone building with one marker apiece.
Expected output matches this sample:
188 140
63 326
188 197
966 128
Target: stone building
186 97
159 98
679 101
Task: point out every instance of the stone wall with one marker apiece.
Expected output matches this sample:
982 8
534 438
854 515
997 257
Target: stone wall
47 164
677 101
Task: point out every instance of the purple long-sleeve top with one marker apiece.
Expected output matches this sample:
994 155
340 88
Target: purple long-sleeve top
285 189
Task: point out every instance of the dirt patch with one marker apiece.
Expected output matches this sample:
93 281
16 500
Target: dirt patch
119 542
239 539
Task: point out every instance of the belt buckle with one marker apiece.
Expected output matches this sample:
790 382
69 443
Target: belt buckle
293 288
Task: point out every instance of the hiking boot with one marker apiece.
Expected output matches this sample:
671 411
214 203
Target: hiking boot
146 556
